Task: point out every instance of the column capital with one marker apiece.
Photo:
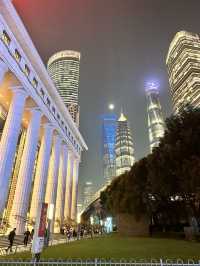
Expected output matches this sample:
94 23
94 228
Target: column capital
19 90
57 138
48 126
34 110
64 146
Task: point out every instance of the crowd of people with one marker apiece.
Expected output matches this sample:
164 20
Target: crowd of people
81 231
71 232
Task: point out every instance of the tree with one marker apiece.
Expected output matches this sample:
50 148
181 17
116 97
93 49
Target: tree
165 184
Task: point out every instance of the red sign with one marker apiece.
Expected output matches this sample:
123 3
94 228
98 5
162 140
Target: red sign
43 218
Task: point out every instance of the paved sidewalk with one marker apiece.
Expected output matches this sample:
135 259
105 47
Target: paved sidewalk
18 245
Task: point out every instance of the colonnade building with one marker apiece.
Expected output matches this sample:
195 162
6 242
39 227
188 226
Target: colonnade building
183 63
40 145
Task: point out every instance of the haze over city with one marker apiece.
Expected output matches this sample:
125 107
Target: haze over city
123 45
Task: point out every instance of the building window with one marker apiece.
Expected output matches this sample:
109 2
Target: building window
42 92
48 101
17 55
35 82
27 70
5 37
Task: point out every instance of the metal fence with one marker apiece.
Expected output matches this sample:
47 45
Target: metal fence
100 262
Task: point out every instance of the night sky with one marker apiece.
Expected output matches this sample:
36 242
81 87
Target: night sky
123 45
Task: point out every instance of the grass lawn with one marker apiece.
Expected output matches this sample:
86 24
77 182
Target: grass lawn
117 247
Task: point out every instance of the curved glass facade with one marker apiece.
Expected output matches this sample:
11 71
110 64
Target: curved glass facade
183 63
64 68
156 125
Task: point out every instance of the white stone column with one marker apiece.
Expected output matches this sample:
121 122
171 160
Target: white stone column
41 171
75 190
3 70
9 141
68 193
60 200
24 181
52 180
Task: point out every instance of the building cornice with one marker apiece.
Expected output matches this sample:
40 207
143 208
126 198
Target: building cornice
17 27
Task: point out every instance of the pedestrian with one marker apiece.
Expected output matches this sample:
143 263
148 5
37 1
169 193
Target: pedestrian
32 233
91 232
26 237
11 238
68 235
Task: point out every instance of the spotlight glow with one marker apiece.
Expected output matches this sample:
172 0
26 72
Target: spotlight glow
111 106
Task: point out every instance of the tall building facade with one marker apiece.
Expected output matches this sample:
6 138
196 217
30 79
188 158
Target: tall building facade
123 146
109 138
183 64
156 125
40 147
64 69
88 193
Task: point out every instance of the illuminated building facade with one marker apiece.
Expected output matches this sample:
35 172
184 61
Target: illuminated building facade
183 63
156 125
88 193
109 137
64 67
123 146
40 145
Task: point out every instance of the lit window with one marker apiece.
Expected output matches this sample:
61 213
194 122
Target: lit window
17 55
5 37
27 70
35 82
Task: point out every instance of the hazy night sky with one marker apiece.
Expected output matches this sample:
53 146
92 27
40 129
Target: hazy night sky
123 43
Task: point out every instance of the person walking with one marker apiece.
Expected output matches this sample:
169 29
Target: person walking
11 238
32 233
26 237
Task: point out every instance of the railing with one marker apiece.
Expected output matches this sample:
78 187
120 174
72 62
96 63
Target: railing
101 262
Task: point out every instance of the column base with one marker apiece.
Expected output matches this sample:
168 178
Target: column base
19 223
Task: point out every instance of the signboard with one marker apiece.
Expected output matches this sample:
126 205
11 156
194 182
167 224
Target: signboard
40 227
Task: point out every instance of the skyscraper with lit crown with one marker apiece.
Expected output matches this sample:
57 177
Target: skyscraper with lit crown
64 68
183 63
156 125
124 150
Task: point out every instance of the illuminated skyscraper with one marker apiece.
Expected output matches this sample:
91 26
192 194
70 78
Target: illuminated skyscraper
109 137
183 63
88 193
156 123
64 67
123 146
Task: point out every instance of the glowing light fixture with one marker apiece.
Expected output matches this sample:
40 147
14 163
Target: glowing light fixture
111 106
